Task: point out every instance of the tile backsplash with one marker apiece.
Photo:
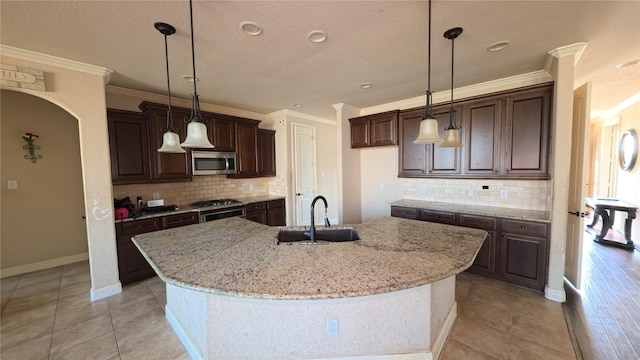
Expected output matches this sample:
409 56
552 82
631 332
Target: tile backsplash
202 188
516 194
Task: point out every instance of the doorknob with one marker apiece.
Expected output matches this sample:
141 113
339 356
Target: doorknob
298 194
576 213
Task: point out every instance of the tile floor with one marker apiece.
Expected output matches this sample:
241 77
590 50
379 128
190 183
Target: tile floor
48 315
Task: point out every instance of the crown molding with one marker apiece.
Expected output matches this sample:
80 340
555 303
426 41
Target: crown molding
186 103
551 60
531 78
300 115
13 52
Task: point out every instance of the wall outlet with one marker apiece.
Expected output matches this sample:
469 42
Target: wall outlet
504 193
156 196
381 187
470 192
423 189
332 327
12 184
252 187
485 187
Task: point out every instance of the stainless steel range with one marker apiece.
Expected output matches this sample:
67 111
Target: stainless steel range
219 209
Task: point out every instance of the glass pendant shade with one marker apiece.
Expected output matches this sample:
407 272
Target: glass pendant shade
451 138
428 132
171 143
197 136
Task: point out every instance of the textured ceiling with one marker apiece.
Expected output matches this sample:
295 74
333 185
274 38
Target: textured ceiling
380 42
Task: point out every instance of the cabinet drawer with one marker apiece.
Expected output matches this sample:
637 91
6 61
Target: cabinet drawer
275 204
478 222
525 228
138 226
172 221
256 207
404 212
441 217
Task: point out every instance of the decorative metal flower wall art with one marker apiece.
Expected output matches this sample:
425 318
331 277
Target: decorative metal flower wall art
31 147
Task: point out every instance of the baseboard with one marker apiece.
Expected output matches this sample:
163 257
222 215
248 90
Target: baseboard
182 335
41 265
555 295
97 294
441 340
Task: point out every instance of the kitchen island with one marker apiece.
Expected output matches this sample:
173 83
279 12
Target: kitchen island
233 293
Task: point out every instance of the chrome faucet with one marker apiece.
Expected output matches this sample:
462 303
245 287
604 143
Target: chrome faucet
312 231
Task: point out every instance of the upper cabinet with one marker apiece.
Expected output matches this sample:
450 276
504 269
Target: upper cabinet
375 130
505 135
129 147
266 152
247 148
167 167
223 136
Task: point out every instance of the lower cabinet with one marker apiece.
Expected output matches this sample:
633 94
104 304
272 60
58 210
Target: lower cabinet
514 251
132 266
270 212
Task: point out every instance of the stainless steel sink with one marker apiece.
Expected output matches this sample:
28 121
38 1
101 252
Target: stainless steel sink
324 235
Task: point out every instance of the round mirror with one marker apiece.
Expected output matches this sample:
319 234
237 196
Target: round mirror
628 150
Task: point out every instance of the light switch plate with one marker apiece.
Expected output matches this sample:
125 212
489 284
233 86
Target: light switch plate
12 184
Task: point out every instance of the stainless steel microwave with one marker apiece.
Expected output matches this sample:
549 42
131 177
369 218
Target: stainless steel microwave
213 162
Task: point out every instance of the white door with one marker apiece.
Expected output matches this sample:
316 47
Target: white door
577 184
304 158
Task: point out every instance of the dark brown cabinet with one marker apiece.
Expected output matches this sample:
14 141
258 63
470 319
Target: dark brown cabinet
514 251
266 152
167 167
276 213
524 252
132 266
505 135
129 147
247 148
223 134
375 130
257 212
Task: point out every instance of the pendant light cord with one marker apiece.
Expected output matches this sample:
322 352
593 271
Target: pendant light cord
195 109
429 111
170 126
451 111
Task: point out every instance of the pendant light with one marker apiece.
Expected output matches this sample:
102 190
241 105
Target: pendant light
196 130
170 139
428 126
452 133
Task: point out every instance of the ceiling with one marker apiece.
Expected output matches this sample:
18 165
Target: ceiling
379 42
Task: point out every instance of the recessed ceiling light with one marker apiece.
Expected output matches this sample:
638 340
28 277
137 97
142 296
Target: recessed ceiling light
366 85
189 78
500 45
628 63
250 28
317 36
297 105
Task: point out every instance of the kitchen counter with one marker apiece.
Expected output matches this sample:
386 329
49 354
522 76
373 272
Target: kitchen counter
232 293
507 213
189 208
238 257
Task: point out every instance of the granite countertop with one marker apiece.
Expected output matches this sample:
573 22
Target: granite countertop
189 208
507 213
237 257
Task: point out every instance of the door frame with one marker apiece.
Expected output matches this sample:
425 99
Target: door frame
295 170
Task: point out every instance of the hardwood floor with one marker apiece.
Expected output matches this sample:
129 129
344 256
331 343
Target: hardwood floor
604 315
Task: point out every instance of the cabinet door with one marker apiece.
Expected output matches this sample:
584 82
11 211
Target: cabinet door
266 152
132 266
129 147
257 212
411 157
168 167
527 133
524 251
223 134
384 129
178 220
485 261
247 149
445 161
359 132
482 120
276 214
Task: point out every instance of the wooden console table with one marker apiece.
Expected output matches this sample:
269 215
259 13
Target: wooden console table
605 209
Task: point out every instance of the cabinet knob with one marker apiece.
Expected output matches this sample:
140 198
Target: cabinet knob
523 227
476 221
